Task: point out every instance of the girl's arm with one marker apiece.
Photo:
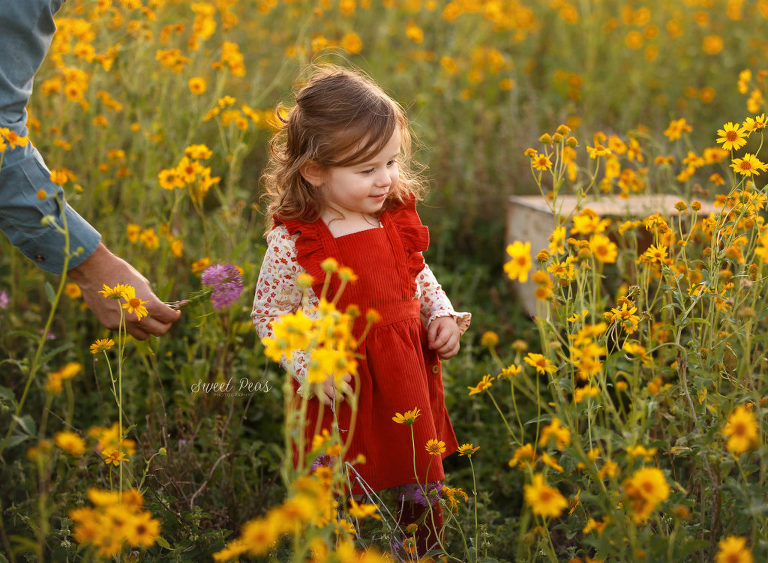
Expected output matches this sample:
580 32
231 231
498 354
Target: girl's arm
435 303
277 293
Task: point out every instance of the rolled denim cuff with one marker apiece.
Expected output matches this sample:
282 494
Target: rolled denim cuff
22 213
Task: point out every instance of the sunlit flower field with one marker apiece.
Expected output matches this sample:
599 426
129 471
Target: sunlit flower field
625 421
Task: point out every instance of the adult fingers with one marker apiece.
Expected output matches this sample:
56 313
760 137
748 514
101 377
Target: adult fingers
161 312
136 331
150 325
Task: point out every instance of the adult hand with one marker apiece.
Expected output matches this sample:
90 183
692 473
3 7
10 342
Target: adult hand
102 267
443 337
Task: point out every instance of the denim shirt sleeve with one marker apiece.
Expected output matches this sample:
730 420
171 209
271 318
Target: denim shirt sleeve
27 30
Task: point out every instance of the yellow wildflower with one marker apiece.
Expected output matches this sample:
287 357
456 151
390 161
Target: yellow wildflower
544 500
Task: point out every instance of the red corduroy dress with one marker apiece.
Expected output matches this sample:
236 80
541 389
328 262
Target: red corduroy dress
398 371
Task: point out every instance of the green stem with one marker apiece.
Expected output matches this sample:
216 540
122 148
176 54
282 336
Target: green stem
503 418
474 493
43 338
121 337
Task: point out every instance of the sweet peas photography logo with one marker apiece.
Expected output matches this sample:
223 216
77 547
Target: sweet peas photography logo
231 388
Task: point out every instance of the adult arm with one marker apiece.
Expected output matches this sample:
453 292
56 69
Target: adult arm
27 30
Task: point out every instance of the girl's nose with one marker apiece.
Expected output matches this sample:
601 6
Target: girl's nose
383 178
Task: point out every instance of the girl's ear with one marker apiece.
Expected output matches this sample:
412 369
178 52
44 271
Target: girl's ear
313 172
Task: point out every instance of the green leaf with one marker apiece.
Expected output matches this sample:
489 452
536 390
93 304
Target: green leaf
16 439
26 423
7 394
51 353
162 542
50 293
23 544
21 364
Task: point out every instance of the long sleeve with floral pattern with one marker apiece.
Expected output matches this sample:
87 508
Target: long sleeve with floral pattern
277 293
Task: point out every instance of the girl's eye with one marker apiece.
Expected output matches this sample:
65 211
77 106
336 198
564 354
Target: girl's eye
391 162
369 171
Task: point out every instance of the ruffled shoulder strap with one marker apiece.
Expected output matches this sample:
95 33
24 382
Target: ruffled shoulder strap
413 234
311 246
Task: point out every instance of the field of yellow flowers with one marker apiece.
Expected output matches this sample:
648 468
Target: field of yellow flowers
625 422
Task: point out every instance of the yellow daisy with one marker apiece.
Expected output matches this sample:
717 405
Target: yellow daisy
732 137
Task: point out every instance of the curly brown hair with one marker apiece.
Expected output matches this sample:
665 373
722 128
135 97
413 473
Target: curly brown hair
340 118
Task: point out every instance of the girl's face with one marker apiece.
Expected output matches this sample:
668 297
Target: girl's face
363 188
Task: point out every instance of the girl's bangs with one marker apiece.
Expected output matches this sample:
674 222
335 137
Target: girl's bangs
364 139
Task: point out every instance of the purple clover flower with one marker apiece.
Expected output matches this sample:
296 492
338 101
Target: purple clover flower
413 492
3 299
226 282
48 335
322 461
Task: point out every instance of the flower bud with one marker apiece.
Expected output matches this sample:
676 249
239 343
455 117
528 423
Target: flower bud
540 277
372 316
545 139
353 311
329 265
489 339
746 312
346 274
304 280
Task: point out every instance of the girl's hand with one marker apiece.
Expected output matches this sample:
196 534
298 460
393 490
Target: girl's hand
328 391
443 337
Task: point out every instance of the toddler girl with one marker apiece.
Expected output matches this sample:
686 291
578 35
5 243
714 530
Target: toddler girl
339 185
